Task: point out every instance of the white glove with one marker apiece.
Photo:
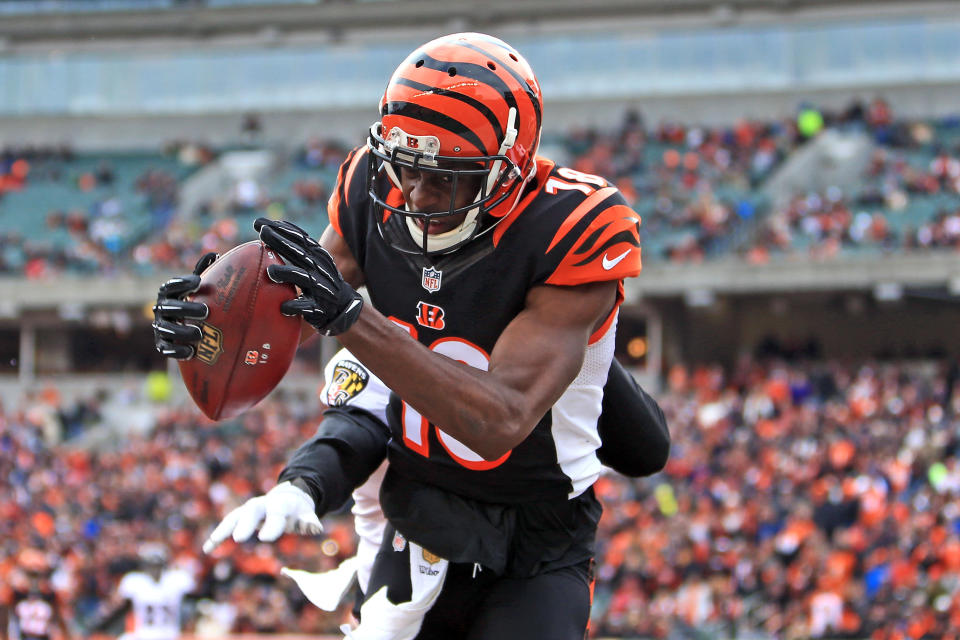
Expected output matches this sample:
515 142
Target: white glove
283 509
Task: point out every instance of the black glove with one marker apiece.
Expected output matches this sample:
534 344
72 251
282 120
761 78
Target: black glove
172 337
326 300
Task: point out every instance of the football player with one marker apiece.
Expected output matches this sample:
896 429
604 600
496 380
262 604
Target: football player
29 607
154 593
495 277
350 385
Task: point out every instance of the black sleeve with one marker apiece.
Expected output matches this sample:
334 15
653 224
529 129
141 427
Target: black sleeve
633 429
350 444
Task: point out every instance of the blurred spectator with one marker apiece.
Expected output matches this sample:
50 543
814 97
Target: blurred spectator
805 499
698 189
251 127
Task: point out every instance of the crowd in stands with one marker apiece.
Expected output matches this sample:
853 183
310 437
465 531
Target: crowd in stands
694 184
914 168
99 214
697 188
89 511
801 499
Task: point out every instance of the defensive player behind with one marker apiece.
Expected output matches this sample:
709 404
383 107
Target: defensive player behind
349 386
496 278
154 594
29 607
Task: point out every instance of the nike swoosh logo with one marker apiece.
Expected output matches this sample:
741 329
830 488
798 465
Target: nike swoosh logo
610 264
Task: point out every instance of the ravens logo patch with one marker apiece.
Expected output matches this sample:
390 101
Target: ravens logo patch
349 379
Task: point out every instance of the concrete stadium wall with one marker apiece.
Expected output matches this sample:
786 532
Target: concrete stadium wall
844 326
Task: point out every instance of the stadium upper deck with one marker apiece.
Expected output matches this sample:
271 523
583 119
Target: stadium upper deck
115 81
189 69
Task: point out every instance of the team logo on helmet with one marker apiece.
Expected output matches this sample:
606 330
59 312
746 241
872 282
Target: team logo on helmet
431 279
211 344
349 379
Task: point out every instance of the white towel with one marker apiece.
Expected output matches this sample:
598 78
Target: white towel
383 620
325 590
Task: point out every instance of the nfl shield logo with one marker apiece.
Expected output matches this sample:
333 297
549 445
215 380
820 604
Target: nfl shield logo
399 543
431 279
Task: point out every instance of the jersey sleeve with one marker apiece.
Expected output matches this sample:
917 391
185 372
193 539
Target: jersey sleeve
348 383
347 206
184 582
128 586
597 241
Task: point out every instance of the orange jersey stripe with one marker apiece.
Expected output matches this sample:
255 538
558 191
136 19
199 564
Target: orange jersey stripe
609 249
544 167
348 179
336 202
394 199
579 212
333 211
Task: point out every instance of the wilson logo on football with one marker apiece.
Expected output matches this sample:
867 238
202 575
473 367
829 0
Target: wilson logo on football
211 344
226 287
349 379
430 316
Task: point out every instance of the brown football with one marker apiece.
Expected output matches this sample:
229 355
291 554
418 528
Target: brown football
247 344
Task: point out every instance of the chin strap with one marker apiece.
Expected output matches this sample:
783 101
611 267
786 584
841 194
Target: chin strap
509 139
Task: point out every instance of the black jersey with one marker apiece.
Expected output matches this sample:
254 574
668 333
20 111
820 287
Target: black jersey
33 614
569 228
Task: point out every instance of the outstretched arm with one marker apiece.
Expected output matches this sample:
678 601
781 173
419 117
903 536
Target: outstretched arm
633 429
534 360
349 445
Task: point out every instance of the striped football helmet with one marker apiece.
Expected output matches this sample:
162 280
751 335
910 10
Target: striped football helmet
466 104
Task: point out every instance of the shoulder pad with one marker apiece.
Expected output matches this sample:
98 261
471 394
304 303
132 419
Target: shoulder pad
600 240
348 189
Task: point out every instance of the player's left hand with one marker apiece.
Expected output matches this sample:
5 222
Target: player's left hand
326 300
171 335
285 508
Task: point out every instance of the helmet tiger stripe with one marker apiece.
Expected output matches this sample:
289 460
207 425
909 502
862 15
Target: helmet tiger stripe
465 103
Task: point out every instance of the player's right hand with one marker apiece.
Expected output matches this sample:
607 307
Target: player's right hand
284 509
172 337
326 300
